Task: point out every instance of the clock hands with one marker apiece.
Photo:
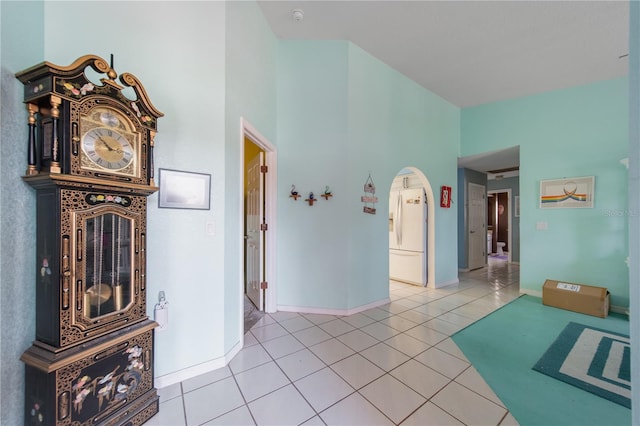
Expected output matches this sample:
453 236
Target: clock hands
109 147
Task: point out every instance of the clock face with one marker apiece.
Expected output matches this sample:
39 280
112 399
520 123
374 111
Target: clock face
109 142
107 148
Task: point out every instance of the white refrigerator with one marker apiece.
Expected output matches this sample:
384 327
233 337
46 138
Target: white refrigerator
408 236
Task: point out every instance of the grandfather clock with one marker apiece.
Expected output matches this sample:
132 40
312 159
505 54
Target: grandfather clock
90 161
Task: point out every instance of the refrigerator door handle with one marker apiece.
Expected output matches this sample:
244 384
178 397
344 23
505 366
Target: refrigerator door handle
398 221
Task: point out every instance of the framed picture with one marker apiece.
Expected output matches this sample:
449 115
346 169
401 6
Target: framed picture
184 190
567 193
516 206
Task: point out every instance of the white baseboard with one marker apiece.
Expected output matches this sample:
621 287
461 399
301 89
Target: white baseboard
534 293
197 370
325 311
447 283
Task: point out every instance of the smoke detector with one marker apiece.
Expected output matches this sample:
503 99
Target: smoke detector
298 15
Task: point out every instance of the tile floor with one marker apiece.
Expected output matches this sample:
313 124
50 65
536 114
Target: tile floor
391 365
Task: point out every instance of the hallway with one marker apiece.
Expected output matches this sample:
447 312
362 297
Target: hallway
391 365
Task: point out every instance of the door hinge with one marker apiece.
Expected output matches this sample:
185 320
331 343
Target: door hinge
264 169
264 227
264 285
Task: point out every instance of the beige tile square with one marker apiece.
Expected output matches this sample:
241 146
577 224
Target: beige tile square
415 316
468 406
283 407
208 402
384 356
380 331
407 344
238 417
282 346
261 380
249 357
336 327
354 410
358 340
431 415
357 370
296 324
442 362
268 332
323 388
358 320
394 399
331 351
426 334
422 379
300 364
311 336
398 323
443 326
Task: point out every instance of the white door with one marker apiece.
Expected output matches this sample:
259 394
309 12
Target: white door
254 239
477 228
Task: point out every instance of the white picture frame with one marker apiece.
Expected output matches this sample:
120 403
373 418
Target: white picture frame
577 192
184 190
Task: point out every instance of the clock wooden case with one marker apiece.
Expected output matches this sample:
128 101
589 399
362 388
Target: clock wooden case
90 161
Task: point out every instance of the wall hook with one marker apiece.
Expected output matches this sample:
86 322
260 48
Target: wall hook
327 193
311 199
294 194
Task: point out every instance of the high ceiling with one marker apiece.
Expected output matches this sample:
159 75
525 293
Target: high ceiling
473 52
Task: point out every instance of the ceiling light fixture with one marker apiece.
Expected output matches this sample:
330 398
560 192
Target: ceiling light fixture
298 15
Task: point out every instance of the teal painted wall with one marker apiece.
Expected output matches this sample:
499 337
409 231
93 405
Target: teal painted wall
313 261
343 114
178 54
394 123
581 131
19 49
251 63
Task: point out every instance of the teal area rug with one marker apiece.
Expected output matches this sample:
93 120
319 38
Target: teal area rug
592 359
505 345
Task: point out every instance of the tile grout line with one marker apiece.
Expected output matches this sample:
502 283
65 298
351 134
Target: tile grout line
493 288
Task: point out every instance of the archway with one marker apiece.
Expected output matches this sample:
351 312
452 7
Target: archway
416 179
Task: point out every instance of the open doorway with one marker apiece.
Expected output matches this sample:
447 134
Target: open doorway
411 229
258 210
499 225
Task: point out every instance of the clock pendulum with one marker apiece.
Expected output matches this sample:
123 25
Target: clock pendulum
117 287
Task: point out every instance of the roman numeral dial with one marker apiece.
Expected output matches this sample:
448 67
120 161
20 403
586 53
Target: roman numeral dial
107 148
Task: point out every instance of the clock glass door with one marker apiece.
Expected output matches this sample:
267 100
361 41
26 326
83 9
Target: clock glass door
108 278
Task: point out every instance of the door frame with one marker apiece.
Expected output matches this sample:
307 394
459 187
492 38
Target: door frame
509 207
248 131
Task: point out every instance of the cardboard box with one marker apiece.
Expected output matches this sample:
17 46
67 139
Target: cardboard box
581 298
